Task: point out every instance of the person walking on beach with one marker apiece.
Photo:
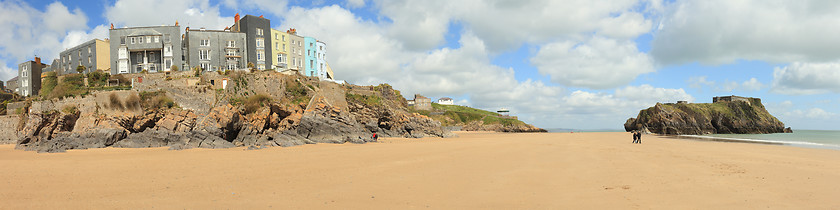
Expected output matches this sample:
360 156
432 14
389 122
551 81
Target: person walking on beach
639 137
634 136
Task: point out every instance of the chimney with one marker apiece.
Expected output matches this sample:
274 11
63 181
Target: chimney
261 16
188 28
236 18
37 60
112 26
176 23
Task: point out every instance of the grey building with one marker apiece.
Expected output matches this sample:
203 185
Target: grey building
296 48
93 55
12 85
258 37
214 50
153 49
29 77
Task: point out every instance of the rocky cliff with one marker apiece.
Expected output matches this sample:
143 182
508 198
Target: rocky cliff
722 117
215 110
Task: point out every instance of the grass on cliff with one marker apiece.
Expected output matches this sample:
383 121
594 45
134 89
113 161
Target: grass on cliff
461 115
370 100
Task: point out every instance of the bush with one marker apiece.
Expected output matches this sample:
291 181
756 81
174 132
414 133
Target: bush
254 102
132 102
98 78
69 85
114 102
156 100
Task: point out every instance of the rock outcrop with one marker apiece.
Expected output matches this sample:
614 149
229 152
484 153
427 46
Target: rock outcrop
747 116
297 111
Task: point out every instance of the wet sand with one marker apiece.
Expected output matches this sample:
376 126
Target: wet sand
474 171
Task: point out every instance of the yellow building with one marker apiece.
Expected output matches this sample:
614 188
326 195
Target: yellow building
280 49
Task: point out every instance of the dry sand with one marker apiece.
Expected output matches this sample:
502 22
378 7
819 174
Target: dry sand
475 171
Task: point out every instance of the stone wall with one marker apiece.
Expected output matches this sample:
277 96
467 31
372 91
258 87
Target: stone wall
8 127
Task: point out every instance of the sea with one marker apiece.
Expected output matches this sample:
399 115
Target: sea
823 139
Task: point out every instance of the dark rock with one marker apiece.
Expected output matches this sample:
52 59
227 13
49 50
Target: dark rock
736 117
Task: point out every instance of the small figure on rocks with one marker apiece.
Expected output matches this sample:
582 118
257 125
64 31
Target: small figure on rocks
375 137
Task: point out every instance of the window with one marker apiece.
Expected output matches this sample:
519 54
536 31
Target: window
308 52
133 39
157 39
284 37
276 36
284 47
260 56
122 40
279 58
321 47
149 39
204 54
260 42
277 46
311 45
231 66
300 44
167 50
205 42
89 60
140 40
231 43
230 52
167 64
259 32
205 66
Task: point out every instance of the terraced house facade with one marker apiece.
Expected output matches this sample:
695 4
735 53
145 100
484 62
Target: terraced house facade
153 49
213 50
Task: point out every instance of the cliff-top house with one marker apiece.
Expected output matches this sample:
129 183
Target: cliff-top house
154 49
92 55
29 77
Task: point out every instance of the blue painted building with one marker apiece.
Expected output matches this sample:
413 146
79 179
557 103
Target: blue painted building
310 57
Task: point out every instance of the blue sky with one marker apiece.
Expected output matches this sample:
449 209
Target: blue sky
557 64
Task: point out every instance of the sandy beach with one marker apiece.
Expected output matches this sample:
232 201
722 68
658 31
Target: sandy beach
475 171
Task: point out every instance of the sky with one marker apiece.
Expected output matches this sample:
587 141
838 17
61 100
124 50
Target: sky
579 64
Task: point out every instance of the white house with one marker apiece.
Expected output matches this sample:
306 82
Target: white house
446 101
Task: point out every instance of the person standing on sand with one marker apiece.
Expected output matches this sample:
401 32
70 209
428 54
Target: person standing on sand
634 136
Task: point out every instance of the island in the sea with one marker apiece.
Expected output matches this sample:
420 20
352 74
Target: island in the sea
725 115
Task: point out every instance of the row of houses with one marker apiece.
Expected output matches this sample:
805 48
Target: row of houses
249 42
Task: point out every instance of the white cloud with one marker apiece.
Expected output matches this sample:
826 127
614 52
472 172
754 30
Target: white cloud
507 24
76 37
29 32
700 83
649 94
723 31
192 13
600 63
807 78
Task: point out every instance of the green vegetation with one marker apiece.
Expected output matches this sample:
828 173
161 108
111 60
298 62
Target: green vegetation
68 86
98 79
48 83
155 100
254 102
370 100
733 110
174 68
70 109
296 92
450 115
80 69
